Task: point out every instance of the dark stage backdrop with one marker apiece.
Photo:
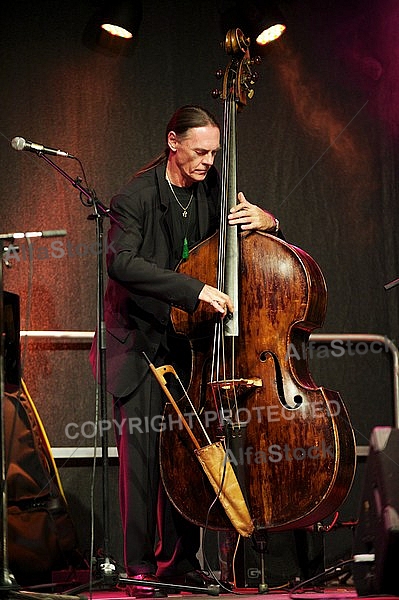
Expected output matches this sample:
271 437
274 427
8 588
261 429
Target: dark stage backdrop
317 145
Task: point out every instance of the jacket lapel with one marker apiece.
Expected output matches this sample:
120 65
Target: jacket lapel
163 188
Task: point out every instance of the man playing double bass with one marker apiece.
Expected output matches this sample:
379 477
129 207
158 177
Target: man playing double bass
171 205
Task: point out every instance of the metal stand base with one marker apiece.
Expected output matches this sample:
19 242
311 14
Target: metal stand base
259 540
211 590
110 580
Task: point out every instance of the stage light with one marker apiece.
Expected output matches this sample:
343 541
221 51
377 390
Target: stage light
270 27
113 28
260 20
122 18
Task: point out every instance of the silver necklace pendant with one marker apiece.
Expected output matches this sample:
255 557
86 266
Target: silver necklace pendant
185 208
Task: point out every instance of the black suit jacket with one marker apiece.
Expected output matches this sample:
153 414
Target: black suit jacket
143 284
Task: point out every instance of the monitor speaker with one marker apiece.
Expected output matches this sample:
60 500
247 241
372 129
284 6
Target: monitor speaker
376 540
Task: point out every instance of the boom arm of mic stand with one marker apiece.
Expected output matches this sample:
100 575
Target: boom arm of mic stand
92 199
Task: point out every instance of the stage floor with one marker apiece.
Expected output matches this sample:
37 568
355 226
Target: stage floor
343 582
330 593
334 591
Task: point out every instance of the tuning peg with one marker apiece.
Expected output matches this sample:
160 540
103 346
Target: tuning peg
219 74
216 94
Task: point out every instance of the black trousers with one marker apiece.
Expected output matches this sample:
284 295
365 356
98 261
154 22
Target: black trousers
157 539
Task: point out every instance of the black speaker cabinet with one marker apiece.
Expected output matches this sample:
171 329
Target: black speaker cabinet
280 562
11 325
376 541
291 556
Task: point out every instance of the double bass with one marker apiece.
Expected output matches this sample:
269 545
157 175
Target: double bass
289 441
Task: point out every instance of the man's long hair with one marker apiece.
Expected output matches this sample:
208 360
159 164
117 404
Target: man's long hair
185 118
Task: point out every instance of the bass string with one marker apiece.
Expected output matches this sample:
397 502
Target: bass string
221 372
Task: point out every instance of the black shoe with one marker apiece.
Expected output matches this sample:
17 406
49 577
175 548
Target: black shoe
199 579
143 591
226 585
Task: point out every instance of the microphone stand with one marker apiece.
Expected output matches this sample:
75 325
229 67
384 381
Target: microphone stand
107 568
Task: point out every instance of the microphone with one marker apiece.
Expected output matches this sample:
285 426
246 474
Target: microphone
19 143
